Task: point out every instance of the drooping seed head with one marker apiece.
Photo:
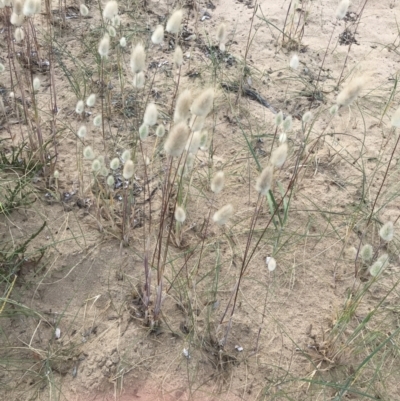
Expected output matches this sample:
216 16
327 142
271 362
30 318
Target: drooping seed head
104 46
114 163
366 252
36 84
342 8
160 131
176 140
88 153
279 119
278 156
138 59
387 231
143 131
180 214
129 169
97 121
174 22
82 131
110 181
350 92
138 80
150 115
178 57
222 216
307 116
122 42
84 10
221 33
287 124
203 103
193 143
19 34
110 10
218 182
29 8
158 35
91 100
294 62
265 180
80 106
126 155
271 263
182 108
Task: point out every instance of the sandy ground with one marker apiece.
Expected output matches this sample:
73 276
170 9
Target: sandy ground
85 285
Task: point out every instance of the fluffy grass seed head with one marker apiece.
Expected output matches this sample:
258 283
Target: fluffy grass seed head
350 92
174 22
180 214
282 137
287 124
56 174
126 155
17 19
271 263
138 80
294 62
218 182
104 171
279 155
80 106
29 8
97 120
96 165
193 143
114 163
387 231
366 253
143 131
221 36
36 84
333 110
160 131
178 57
91 100
116 21
204 140
307 116
128 170
158 35
379 265
104 46
150 115
88 153
176 140
138 59
395 121
2 68
182 108
19 35
222 216
110 10
342 8
122 42
265 180
84 10
279 119
82 131
110 181
203 103
111 31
